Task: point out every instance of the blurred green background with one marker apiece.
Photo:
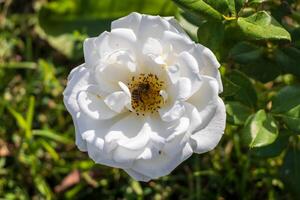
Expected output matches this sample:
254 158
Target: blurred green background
258 45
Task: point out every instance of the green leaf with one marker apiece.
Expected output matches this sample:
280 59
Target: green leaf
292 119
286 104
191 18
188 26
235 6
199 7
237 113
290 171
52 135
245 53
295 33
64 21
48 74
29 116
274 149
136 187
231 7
238 5
295 15
229 88
220 5
43 187
24 123
289 59
49 149
19 118
253 63
72 47
262 26
263 70
246 94
286 99
255 1
18 65
260 130
209 30
93 16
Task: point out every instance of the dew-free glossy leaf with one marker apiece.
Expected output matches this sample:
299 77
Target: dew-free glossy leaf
245 52
263 70
290 170
93 16
199 7
260 130
262 26
230 88
286 99
246 94
209 30
237 113
274 149
289 59
292 119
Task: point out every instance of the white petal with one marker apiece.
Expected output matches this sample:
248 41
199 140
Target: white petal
104 82
189 69
139 141
177 26
147 154
152 46
95 48
126 91
196 119
163 164
205 101
178 43
117 66
93 133
95 150
172 112
173 72
129 148
207 138
152 26
148 63
184 73
207 93
78 80
137 176
90 52
124 129
121 58
208 64
177 141
132 21
122 38
125 157
183 88
117 101
181 128
189 64
93 106
164 94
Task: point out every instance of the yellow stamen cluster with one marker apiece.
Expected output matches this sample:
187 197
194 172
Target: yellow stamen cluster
145 93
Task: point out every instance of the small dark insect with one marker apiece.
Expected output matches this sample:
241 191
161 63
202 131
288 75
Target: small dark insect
139 91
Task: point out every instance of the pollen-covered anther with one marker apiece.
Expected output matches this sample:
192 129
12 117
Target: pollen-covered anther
145 93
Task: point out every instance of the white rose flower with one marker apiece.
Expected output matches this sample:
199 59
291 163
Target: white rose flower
146 97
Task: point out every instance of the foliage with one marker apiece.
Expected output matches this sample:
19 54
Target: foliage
258 45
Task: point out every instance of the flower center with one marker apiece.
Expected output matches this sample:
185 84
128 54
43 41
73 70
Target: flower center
146 93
